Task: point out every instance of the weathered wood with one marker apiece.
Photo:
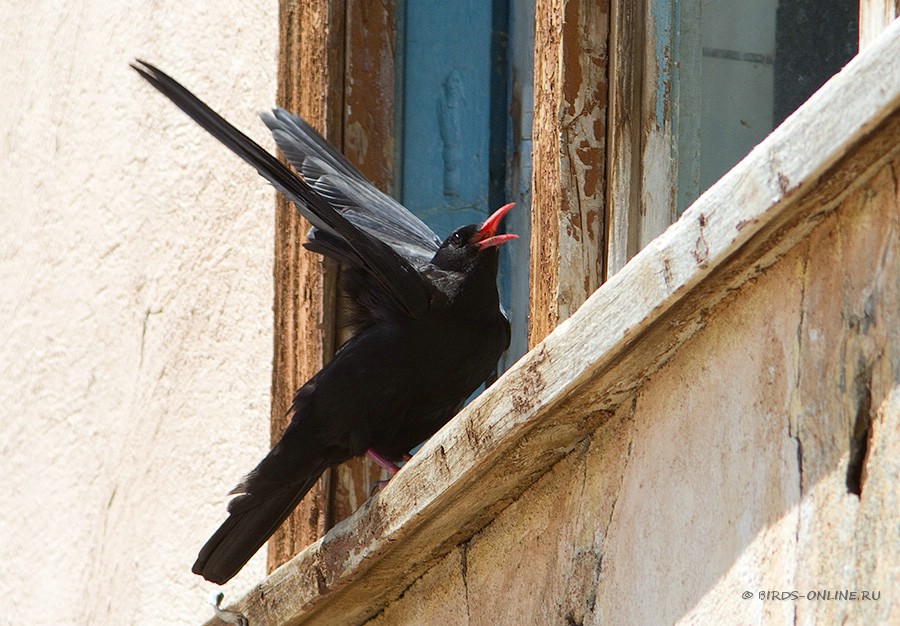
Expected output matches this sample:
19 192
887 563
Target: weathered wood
569 183
642 197
338 71
757 418
624 139
368 141
874 17
310 67
369 90
534 414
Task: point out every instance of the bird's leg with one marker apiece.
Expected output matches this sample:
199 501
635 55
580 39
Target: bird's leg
388 465
383 462
229 617
407 457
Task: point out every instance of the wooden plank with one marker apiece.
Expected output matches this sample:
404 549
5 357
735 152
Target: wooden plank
310 73
623 201
338 71
368 141
564 388
874 17
658 174
642 190
370 89
569 188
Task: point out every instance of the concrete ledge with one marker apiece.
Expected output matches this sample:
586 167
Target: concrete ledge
563 389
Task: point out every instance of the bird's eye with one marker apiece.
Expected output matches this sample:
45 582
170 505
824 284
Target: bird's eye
456 238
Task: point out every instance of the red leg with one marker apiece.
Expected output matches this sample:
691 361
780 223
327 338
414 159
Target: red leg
383 462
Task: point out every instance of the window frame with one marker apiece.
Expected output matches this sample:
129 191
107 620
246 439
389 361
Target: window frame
537 414
592 202
340 64
874 17
642 179
335 69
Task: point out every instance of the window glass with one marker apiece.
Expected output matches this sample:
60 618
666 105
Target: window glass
743 67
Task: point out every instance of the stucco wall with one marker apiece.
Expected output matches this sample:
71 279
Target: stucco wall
135 322
728 471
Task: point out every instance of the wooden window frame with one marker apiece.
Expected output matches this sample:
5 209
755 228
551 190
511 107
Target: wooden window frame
642 180
586 370
595 192
874 17
338 65
335 69
569 183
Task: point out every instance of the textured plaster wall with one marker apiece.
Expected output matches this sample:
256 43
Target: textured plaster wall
727 473
135 320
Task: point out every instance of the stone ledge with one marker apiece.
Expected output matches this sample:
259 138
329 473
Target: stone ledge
564 388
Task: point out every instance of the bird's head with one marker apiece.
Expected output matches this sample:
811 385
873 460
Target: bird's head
467 245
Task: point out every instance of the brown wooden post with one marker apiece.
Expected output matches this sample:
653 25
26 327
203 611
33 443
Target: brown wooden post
369 90
570 113
337 70
627 44
310 82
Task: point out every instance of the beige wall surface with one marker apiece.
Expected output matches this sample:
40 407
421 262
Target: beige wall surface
727 473
136 316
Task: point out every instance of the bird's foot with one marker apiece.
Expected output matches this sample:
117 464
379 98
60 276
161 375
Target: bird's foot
378 486
229 617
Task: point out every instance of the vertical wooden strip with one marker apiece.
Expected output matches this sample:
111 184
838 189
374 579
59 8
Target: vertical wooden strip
546 193
624 148
657 172
874 17
310 76
370 87
369 114
568 209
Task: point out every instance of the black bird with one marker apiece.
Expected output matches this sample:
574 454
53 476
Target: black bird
427 317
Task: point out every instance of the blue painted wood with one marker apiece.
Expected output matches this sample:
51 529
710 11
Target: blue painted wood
466 121
514 277
446 111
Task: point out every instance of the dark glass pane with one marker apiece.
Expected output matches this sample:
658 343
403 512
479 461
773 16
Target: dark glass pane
814 39
743 67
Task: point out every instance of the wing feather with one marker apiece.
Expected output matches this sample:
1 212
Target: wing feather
393 274
347 189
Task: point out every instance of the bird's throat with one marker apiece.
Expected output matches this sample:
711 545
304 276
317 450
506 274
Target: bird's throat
478 297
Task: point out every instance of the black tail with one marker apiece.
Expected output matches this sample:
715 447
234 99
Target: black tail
254 517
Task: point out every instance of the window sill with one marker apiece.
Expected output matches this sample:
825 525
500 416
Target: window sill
534 415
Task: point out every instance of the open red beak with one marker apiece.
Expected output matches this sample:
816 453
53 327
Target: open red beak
486 236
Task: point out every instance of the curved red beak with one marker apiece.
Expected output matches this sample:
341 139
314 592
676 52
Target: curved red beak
486 236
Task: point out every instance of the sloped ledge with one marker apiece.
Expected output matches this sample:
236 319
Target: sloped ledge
564 388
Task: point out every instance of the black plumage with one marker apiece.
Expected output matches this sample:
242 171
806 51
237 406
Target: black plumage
427 317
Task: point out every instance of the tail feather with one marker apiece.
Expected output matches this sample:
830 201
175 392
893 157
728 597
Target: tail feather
253 518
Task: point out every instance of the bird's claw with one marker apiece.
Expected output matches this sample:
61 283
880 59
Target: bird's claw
229 617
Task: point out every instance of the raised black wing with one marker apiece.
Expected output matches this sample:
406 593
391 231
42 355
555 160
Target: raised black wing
393 274
348 190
